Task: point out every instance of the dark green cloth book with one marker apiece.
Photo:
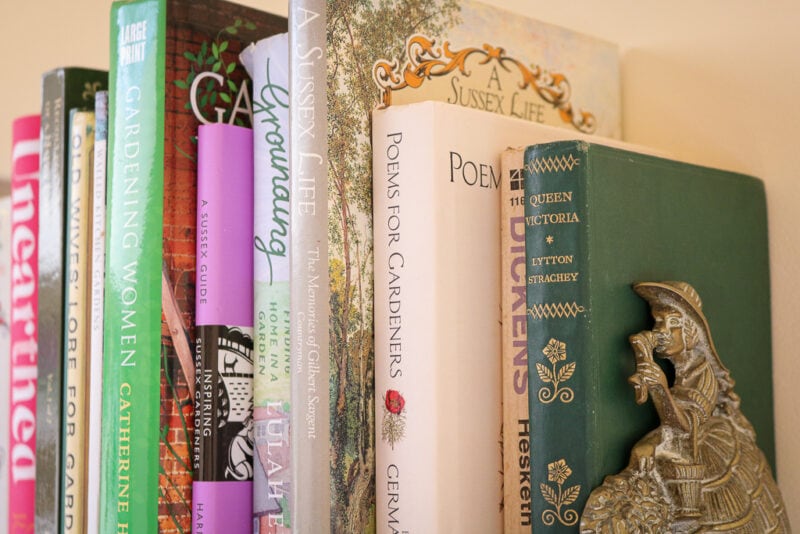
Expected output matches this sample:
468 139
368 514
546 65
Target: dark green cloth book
598 220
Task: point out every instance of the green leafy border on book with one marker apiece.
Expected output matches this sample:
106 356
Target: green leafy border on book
212 92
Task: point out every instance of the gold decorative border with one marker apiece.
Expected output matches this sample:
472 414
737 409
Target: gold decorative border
562 163
555 310
425 60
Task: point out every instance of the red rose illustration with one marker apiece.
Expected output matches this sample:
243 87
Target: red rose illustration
393 425
394 401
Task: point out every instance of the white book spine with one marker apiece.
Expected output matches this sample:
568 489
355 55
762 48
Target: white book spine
407 472
5 348
267 62
437 323
309 285
98 271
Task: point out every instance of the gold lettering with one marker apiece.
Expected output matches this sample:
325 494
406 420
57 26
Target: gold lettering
550 198
552 278
538 261
123 452
552 218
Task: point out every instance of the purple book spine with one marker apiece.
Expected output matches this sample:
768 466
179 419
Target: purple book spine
223 443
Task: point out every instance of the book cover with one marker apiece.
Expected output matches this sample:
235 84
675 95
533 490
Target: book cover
76 320
222 492
97 280
5 348
173 67
436 195
267 62
348 59
24 253
599 219
517 488
62 90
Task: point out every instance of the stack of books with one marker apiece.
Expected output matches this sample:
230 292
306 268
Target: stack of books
367 269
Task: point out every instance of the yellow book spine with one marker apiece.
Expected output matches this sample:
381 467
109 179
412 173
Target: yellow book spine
76 298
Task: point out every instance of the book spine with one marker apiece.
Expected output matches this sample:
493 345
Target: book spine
62 90
76 326
406 400
51 299
98 242
437 320
309 281
516 423
556 243
223 489
132 310
24 252
5 349
268 65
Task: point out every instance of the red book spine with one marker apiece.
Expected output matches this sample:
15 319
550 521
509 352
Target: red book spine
24 313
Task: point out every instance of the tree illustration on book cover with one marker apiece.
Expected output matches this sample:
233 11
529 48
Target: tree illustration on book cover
381 30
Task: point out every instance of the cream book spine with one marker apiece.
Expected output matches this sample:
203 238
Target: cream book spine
77 312
516 423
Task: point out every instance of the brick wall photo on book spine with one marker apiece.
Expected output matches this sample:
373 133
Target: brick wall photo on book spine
23 252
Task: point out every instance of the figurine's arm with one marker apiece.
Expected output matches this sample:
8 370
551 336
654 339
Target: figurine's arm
650 379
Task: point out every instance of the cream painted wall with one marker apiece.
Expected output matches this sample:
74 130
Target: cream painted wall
714 82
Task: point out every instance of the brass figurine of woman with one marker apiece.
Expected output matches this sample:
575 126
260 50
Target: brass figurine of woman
701 470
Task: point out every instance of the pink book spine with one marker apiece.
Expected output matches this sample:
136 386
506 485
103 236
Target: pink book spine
24 312
222 489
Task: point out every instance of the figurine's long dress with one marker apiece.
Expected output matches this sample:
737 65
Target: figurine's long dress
736 495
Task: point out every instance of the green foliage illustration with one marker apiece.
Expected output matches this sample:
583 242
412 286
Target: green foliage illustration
359 32
214 56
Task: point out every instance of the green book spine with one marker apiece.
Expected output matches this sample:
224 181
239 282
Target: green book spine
75 424
558 322
598 220
62 90
132 352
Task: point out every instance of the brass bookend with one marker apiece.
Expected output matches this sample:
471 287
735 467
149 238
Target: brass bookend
701 470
